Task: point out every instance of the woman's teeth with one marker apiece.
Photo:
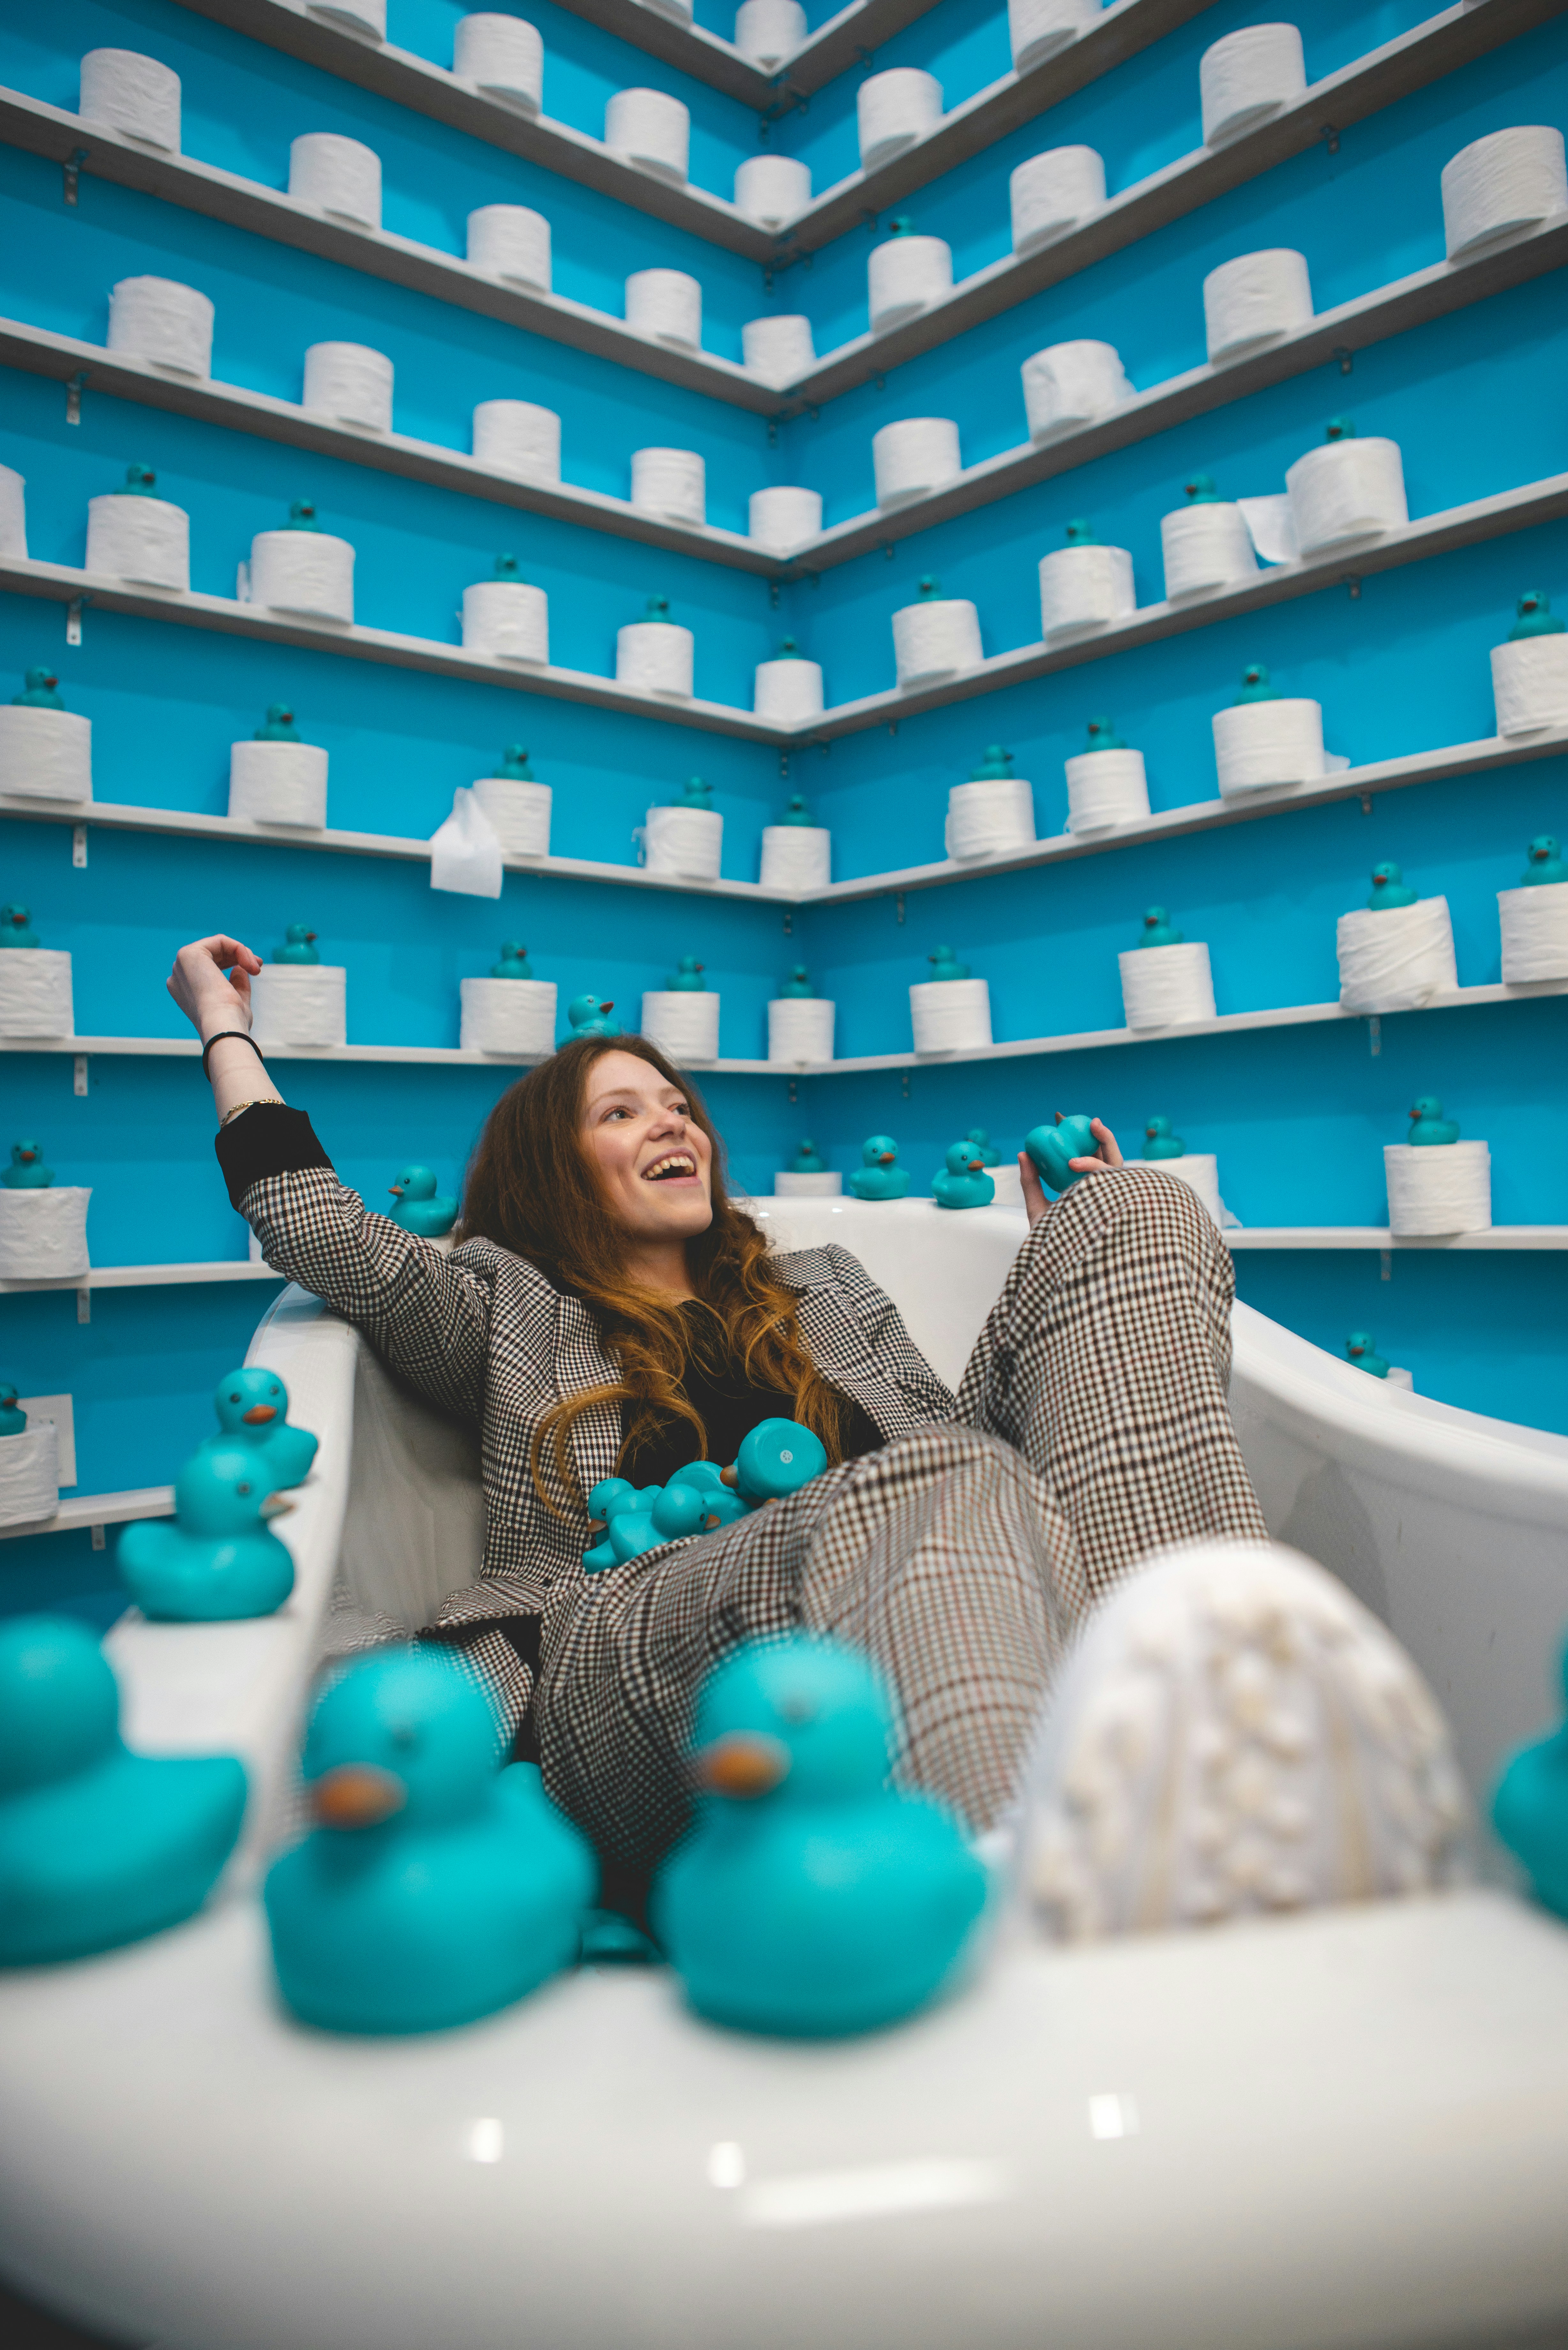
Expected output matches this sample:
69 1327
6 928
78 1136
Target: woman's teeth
663 1170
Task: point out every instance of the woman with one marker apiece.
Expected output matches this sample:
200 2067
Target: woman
609 1309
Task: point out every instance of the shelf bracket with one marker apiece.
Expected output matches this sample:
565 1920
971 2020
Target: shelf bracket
1354 584
98 1538
74 620
1375 1036
903 1085
1329 132
78 847
73 165
74 386
794 1093
899 902
1366 803
1387 1257
1345 356
789 921
773 595
79 1076
84 1306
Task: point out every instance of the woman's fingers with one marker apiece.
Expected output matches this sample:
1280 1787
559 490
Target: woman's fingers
197 982
1108 1155
1035 1200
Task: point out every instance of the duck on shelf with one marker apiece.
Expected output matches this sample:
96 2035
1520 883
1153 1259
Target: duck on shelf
299 945
514 962
983 1150
879 1175
1427 1124
12 1419
1360 1350
588 1016
1389 888
798 984
1534 616
279 725
1158 931
421 1208
252 1405
41 691
15 927
945 964
962 1181
808 1161
687 978
1158 1142
216 1561
796 812
26 1171
1544 870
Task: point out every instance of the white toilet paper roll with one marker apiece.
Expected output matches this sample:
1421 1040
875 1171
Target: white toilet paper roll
655 657
1534 924
766 31
1038 28
507 618
144 540
935 639
1205 546
800 1028
652 130
299 1003
771 189
913 457
1106 787
44 754
43 1234
667 305
1437 1187
1254 300
508 1015
1247 77
349 382
789 690
503 56
1199 1170
1501 183
29 1476
1070 384
784 519
168 325
790 1184
905 277
989 818
1397 958
684 841
1164 987
510 242
1257 743
305 571
950 1015
519 814
366 18
515 436
685 1025
796 856
13 513
278 783
1050 193
134 95
778 349
1530 684
1084 588
1346 490
338 176
893 110
671 484
36 991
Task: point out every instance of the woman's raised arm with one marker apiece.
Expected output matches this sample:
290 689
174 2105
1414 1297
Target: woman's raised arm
211 983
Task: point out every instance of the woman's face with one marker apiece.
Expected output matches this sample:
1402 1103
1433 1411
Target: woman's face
654 1162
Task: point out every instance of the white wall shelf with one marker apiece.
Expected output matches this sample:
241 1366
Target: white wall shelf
99 1509
1377 1236
151 1277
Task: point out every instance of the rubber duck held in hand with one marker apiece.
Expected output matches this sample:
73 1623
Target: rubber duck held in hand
811 1898
1530 1810
687 978
879 1175
983 1150
16 926
1157 929
945 964
1544 870
299 945
1360 1350
421 1208
1389 888
586 1016
26 1171
41 691
215 1562
12 1419
514 962
279 725
433 1888
1534 616
252 1405
98 1845
1158 1142
798 983
1427 1124
1054 1148
962 1181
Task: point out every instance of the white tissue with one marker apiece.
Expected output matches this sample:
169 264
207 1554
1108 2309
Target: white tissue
514 436
655 657
1396 958
1345 490
1050 193
13 513
168 325
1205 546
278 783
651 130
800 1028
935 638
43 1235
1070 384
349 382
519 814
337 175
133 94
1253 300
1164 987
989 818
950 1015
1272 527
1257 743
904 277
299 1003
510 242
1106 787
671 484
503 56
1530 684
796 856
893 110
44 754
683 1024
666 303
684 841
36 991
1534 924
307 571
29 1474
1084 588
145 541
788 690
915 456
507 618
771 189
1437 1187
1038 28
778 349
511 1016
766 31
1501 183
784 519
1248 76
465 854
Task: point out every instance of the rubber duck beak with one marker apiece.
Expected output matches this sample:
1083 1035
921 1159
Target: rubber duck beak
396 1191
276 1506
886 1158
259 1414
974 1165
356 1795
744 1765
609 1003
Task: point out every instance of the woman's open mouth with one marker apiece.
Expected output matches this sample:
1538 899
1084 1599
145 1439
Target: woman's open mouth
675 1166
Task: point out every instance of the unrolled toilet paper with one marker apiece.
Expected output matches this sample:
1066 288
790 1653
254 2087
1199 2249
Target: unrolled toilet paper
893 110
666 303
655 657
800 1028
1255 299
168 325
1502 183
1248 76
1050 193
913 457
1106 787
144 540
950 1015
1530 684
1038 28
771 189
136 94
989 818
789 690
1346 490
338 176
767 31
505 58
509 242
1437 1187
796 856
519 815
684 841
44 754
783 519
307 571
1070 384
36 991
778 349
671 484
507 618
651 130
13 513
1534 924
905 277
511 1016
1396 958
1205 546
517 437
349 382
1165 987
685 1025
43 1234
299 1003
1257 743
935 639
30 1476
1084 588
278 783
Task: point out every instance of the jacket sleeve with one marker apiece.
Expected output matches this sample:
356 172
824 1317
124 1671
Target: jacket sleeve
423 1311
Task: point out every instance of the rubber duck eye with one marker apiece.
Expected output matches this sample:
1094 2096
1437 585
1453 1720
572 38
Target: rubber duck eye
242 1489
798 1709
403 1736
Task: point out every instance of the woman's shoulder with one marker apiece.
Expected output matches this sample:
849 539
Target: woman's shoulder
499 1265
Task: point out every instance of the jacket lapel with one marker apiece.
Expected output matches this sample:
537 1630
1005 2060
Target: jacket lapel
581 1364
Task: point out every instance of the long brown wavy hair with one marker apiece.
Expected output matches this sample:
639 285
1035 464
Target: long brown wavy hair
532 1188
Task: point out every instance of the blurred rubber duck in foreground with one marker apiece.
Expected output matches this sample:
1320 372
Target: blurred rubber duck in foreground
1544 869
983 1150
41 691
98 1845
1360 1350
962 1181
433 1888
1157 929
1530 1810
421 1208
15 927
1427 1124
1389 888
299 945
1158 1142
26 1171
12 1419
251 1406
811 1899
945 964
514 962
586 1016
808 1160
1054 1148
879 1175
215 1562
687 978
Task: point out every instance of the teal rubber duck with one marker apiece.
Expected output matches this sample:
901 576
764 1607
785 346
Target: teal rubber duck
421 1208
41 691
1103 735
216 1562
514 962
901 225
687 978
658 609
1199 491
1054 1148
252 1405
299 945
797 811
302 515
12 1419
433 1888
995 767
1360 1350
279 725
1389 888
1545 867
928 588
98 1845
962 1181
983 1150
1530 1810
1082 533
15 927
788 650
1256 685
26 1171
879 1175
945 964
140 482
812 1900
695 794
1158 1142
798 983
775 1458
1534 616
1427 1124
1157 929
1339 427
808 1161
586 1016
514 767
506 567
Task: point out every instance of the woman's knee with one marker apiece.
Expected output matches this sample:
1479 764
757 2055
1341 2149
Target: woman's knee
1156 1213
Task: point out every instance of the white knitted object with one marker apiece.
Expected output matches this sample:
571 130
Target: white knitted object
519 814
906 276
516 436
783 519
136 96
1106 787
503 56
652 130
1069 384
1199 1170
1038 28
935 639
145 541
29 1475
338 176
299 1003
667 305
278 783
671 484
950 1015
13 513
684 841
778 349
789 690
1396 958
991 817
796 856
655 657
1437 1187
168 325
800 1028
507 618
508 1015
1257 743
913 457
1205 546
683 1024
792 1183
349 382
1345 490
36 991
307 571
43 1234
1084 588
893 110
771 189
1248 76
44 754
1255 299
1051 193
509 242
767 31
1530 684
1502 183
1165 987
1534 924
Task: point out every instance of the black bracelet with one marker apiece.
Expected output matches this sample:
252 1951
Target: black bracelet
245 1038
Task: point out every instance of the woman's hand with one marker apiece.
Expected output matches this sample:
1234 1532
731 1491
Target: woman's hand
210 1000
1106 1155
